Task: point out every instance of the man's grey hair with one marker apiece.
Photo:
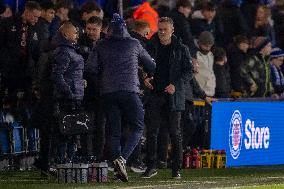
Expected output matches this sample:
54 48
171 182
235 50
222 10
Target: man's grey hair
166 20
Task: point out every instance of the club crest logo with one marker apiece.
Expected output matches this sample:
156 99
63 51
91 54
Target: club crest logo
235 134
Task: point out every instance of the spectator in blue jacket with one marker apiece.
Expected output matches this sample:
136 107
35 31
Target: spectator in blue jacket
116 60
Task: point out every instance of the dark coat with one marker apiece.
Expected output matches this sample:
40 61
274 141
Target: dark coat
236 58
182 28
85 45
14 68
143 40
54 26
67 71
43 34
266 30
180 70
193 90
223 81
115 60
258 71
277 16
199 25
44 68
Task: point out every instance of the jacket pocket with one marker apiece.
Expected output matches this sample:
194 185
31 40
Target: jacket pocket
79 89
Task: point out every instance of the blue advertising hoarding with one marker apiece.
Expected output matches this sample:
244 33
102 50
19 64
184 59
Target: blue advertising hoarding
252 133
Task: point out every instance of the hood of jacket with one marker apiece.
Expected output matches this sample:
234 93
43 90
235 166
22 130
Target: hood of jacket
118 26
59 40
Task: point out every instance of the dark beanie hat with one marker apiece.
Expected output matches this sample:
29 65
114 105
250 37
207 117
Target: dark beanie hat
117 23
206 37
260 42
276 53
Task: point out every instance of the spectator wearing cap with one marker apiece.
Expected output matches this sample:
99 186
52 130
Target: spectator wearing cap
256 73
277 77
202 53
114 61
237 55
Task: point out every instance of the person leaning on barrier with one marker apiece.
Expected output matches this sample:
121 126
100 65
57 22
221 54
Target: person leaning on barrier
114 61
203 60
167 97
67 76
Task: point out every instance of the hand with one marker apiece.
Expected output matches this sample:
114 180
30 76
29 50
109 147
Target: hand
195 65
209 100
147 83
85 83
275 96
171 89
253 88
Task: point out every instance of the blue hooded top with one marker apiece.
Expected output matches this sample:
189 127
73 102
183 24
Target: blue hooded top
115 60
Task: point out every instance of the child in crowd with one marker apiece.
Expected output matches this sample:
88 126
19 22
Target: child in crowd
277 78
222 74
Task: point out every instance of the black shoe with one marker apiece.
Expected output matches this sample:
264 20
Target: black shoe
176 175
138 168
119 166
149 173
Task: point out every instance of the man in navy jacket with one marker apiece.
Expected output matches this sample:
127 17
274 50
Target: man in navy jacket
116 60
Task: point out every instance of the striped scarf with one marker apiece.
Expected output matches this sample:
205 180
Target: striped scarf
278 75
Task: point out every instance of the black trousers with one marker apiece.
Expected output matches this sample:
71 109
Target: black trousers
188 125
43 119
159 117
92 144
